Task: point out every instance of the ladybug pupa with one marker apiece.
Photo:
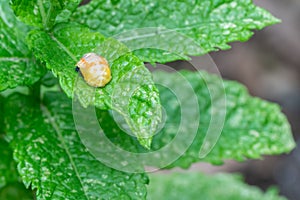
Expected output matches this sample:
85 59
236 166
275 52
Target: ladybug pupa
94 69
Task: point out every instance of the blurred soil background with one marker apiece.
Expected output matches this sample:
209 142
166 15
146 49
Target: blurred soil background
269 65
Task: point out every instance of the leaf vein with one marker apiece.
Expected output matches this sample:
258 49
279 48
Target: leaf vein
61 138
14 59
63 47
43 14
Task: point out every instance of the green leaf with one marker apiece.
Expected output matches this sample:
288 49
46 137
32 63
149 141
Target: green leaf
10 186
44 13
192 185
250 128
210 24
17 64
52 159
15 191
1 115
49 80
131 91
8 168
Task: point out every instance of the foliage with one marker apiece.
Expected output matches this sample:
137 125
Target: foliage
11 187
63 167
39 141
248 122
17 64
68 42
210 24
196 185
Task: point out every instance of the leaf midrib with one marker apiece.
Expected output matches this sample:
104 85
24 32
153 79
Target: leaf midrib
204 23
65 147
42 12
63 47
45 17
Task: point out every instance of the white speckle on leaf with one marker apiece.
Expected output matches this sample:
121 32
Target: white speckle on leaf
254 133
74 191
104 176
124 163
59 174
233 4
39 140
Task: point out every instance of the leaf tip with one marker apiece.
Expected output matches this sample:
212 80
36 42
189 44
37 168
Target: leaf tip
146 142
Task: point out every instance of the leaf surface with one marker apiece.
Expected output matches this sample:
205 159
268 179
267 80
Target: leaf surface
8 168
174 28
52 159
2 115
131 92
10 186
17 64
250 127
44 13
16 191
190 186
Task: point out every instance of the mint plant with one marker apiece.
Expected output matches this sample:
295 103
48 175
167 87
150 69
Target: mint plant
47 152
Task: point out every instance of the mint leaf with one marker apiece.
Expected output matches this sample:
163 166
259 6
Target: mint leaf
17 64
49 80
2 115
10 186
44 13
131 91
192 185
252 127
8 168
15 191
211 24
52 159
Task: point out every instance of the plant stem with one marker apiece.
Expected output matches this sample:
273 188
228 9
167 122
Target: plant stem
35 91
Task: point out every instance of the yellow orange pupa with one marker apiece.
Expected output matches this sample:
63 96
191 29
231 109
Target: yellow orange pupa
94 69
